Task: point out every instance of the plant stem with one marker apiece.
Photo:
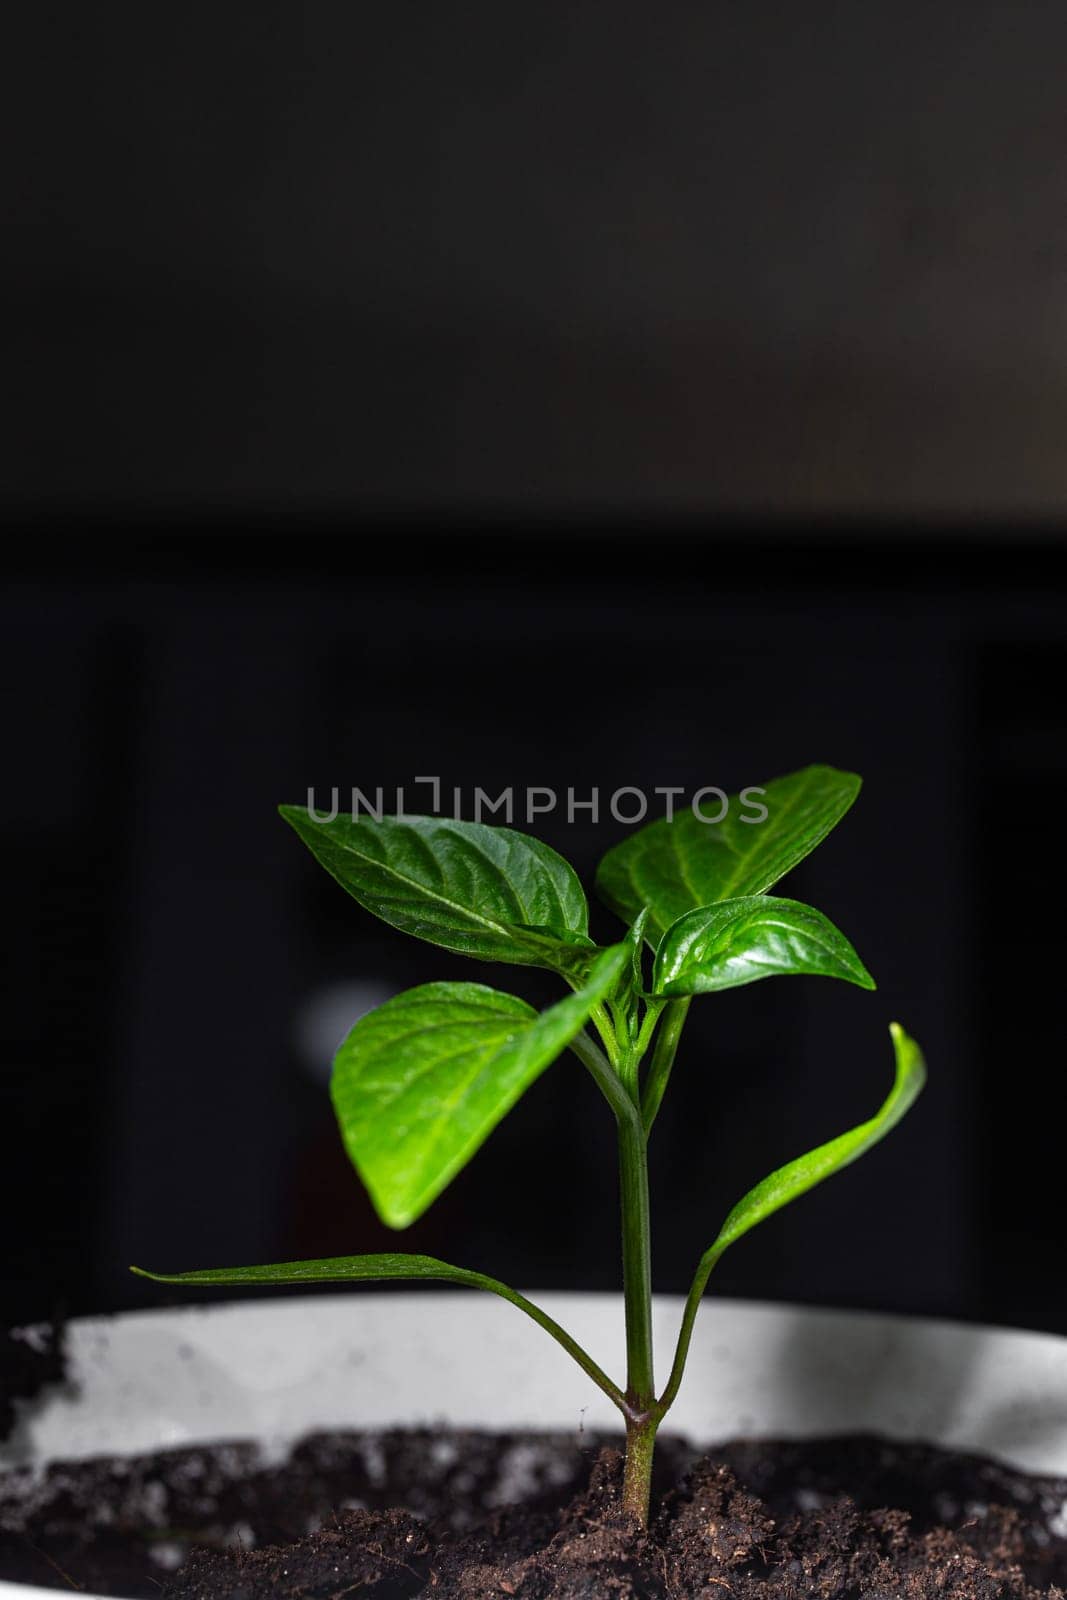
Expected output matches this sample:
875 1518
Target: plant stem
602 1022
637 1295
636 1264
603 1075
637 1474
670 1031
380 1268
685 1333
653 1012
479 1280
639 1402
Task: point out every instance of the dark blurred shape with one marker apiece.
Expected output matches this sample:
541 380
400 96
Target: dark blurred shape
595 397
726 257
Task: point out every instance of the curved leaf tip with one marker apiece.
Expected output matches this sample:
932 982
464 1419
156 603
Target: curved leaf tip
483 891
741 940
911 1071
685 861
797 1177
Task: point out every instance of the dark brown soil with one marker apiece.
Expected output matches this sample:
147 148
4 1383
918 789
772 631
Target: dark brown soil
31 1359
537 1517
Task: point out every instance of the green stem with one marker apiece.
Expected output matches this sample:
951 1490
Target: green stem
636 1270
602 1022
562 1337
639 1407
604 1076
670 1031
653 1011
685 1333
636 1227
637 1474
368 1269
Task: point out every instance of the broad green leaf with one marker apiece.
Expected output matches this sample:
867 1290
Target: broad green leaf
798 1176
483 891
379 1268
674 867
738 941
420 1083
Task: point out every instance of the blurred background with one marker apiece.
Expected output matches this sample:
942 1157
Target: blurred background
583 398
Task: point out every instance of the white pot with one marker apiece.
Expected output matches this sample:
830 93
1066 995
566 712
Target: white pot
274 1370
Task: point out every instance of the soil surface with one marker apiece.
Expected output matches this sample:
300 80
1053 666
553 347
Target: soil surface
537 1517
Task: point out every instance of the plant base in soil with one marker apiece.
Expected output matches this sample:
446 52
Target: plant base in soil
537 1517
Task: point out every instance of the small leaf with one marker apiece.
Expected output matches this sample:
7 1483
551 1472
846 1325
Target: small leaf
674 867
482 891
336 1269
798 1176
738 941
378 1268
420 1083
635 939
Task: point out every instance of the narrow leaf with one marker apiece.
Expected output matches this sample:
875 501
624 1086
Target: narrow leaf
798 1176
738 941
631 982
421 1082
336 1269
377 1268
796 1179
674 867
482 891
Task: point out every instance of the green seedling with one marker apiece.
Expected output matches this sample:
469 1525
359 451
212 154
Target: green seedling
421 1082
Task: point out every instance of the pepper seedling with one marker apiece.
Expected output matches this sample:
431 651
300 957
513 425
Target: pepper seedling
420 1082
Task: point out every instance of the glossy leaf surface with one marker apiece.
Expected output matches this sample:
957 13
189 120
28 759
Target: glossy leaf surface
798 1176
677 866
420 1083
758 936
483 891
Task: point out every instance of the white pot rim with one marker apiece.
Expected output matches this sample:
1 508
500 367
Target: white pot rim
275 1369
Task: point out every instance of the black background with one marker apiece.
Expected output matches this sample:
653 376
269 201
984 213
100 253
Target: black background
599 400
